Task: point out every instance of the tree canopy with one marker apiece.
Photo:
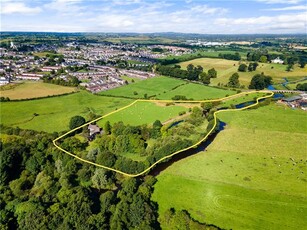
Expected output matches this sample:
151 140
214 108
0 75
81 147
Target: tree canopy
76 121
260 81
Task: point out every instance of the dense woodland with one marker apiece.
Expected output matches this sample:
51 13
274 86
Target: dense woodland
42 188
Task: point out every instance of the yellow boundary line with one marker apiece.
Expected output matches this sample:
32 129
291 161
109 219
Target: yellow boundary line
171 155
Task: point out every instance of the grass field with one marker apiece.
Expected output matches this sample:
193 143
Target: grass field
54 113
166 88
129 79
144 113
151 86
241 99
44 54
226 68
196 91
35 89
293 85
253 176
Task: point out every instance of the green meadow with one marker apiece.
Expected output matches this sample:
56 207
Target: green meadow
166 88
225 68
252 176
196 92
144 113
152 87
53 114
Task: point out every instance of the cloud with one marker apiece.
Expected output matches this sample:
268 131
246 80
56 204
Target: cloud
18 8
126 2
205 9
153 16
66 7
301 7
280 23
280 1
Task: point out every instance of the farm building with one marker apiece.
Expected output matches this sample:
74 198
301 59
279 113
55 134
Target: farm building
292 99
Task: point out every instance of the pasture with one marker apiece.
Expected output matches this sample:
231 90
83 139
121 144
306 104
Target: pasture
252 176
166 88
196 92
152 87
130 79
225 68
30 89
53 114
144 113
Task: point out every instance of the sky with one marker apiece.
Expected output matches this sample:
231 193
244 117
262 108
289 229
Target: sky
146 16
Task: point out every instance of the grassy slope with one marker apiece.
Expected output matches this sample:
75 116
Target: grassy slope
35 89
55 113
166 88
152 86
226 68
245 179
144 113
196 91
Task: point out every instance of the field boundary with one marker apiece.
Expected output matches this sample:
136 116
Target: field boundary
171 155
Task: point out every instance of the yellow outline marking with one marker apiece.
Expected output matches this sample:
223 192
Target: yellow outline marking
171 155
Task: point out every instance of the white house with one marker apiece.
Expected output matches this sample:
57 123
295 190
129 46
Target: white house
277 61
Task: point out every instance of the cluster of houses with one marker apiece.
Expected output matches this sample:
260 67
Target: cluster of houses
110 52
16 65
101 78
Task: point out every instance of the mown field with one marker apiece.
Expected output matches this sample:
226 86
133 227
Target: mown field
32 89
226 68
166 88
144 113
253 175
54 113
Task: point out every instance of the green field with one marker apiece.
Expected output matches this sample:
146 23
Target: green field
293 85
225 68
196 92
54 113
253 176
144 113
166 88
44 54
129 79
151 87
32 89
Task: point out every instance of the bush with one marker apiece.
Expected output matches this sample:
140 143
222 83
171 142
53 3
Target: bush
76 121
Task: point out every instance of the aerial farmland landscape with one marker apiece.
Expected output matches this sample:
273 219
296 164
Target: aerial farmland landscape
140 114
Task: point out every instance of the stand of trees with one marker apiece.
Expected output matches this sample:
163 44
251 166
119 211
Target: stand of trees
42 188
236 56
234 81
252 66
72 81
260 81
192 72
302 87
242 68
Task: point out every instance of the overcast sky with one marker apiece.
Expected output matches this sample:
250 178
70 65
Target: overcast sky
187 16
